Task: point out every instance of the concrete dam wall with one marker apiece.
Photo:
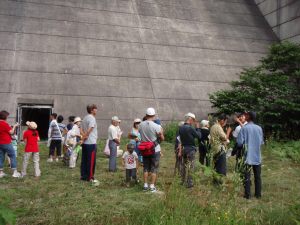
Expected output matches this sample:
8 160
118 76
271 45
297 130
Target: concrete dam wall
124 55
283 16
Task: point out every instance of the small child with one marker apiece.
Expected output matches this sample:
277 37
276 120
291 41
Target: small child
130 162
31 138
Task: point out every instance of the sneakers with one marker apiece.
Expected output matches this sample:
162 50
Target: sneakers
153 189
56 160
145 188
95 182
50 160
16 174
2 174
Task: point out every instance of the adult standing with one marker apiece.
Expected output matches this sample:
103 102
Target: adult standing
89 146
218 142
251 136
5 145
151 132
188 134
241 120
55 134
204 143
114 138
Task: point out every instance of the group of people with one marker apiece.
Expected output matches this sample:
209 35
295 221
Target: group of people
143 149
8 146
213 148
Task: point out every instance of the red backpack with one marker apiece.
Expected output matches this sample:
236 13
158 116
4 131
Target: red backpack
147 148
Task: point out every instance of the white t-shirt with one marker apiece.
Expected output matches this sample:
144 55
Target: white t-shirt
237 130
88 122
130 160
113 132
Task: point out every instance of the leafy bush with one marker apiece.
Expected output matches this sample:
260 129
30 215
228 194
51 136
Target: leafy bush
170 131
271 89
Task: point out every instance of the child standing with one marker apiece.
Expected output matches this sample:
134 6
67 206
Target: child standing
130 162
31 138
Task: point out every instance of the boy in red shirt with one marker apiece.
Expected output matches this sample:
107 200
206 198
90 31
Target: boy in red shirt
5 145
31 138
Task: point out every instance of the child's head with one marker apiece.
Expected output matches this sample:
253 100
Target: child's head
130 148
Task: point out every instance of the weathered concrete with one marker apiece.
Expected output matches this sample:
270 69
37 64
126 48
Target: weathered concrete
126 55
283 16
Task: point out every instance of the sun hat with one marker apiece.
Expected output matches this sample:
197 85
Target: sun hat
137 120
192 115
204 123
150 112
32 125
77 119
115 118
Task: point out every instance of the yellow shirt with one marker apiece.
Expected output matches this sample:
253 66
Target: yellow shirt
217 138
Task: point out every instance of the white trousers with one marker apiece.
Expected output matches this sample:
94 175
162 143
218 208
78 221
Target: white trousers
73 158
36 164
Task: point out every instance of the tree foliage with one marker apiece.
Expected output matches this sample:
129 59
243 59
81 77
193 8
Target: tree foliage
271 89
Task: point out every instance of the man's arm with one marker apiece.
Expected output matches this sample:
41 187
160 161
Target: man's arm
241 138
50 130
197 133
86 134
12 131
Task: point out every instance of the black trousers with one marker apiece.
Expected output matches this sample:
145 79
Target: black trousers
55 144
257 180
220 163
130 174
88 161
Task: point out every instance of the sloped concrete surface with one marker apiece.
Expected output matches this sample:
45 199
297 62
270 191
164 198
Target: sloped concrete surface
126 55
283 16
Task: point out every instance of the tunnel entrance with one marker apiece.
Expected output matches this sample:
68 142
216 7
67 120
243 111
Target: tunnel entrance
37 113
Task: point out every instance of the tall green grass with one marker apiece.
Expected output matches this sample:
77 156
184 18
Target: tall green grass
59 197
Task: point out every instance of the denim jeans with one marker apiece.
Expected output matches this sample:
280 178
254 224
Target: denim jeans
10 151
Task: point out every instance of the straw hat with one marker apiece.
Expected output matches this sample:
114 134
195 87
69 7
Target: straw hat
32 125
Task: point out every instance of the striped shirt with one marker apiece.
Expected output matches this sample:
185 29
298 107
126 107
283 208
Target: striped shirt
53 132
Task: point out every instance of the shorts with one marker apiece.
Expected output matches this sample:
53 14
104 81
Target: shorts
151 163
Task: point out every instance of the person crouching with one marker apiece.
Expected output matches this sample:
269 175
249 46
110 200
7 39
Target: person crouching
31 138
130 162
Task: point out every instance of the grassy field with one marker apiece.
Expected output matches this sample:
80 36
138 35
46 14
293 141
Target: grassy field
59 197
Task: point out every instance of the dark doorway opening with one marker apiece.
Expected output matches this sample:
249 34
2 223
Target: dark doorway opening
38 114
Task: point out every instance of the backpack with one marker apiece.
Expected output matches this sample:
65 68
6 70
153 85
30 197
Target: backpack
147 148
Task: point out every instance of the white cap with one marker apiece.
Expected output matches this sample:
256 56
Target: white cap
77 119
137 120
204 123
115 118
150 112
192 115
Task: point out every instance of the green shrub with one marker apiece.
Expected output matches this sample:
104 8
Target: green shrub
271 89
170 131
